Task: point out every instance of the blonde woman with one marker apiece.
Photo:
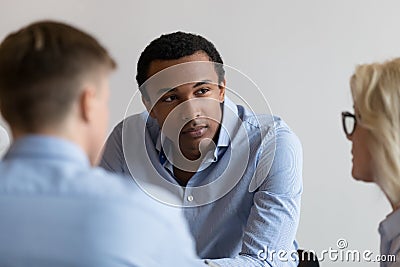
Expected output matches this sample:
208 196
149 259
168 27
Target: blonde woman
374 130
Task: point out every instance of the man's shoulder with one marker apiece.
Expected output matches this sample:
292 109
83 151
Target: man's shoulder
136 121
112 185
101 182
138 117
267 124
49 184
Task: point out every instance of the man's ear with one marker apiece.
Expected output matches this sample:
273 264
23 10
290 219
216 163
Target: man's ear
87 102
147 104
221 86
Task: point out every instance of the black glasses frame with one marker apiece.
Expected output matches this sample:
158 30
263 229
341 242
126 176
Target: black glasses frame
346 114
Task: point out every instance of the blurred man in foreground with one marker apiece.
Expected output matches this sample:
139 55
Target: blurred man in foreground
56 209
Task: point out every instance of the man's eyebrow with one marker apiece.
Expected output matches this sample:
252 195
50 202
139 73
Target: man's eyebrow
165 90
202 83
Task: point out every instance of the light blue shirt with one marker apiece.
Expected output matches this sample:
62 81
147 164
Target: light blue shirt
56 210
389 230
250 224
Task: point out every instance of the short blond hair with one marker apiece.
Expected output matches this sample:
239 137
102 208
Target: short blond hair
376 92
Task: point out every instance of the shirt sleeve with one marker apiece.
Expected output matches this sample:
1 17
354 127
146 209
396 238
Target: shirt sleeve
113 155
269 236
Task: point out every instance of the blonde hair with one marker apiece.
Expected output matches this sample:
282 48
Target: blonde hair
376 93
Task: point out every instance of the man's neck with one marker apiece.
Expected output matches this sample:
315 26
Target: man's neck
196 157
182 177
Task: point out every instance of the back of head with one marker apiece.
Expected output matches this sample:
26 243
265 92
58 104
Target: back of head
41 68
376 93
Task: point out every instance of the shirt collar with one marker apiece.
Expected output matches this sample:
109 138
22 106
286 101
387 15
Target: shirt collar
229 119
41 146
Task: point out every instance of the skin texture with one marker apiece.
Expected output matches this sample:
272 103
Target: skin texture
198 119
362 162
191 110
98 113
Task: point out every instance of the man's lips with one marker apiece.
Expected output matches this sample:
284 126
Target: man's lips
197 131
193 129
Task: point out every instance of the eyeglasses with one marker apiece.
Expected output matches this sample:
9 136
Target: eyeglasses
349 122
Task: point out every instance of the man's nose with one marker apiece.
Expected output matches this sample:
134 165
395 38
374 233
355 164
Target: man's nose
190 109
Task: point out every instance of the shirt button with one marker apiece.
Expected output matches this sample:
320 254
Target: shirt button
190 198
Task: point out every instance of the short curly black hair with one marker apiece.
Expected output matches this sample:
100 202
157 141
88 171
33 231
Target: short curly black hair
174 46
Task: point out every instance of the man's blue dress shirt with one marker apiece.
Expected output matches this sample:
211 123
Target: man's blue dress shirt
257 218
56 210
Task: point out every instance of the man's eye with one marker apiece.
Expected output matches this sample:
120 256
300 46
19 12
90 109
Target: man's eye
169 98
202 91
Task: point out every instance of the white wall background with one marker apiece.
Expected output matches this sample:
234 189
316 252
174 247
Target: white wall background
300 53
